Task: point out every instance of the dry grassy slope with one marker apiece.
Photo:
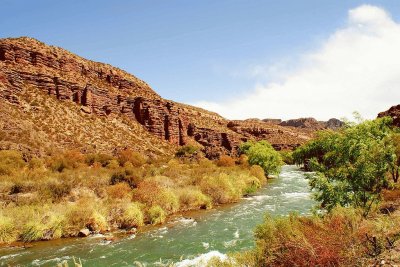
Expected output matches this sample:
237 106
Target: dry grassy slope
42 124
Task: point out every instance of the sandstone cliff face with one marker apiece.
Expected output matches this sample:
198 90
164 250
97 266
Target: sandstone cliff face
107 92
393 112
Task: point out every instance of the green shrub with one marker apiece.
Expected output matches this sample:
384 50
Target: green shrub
251 184
259 173
97 222
190 198
167 200
156 215
352 165
221 188
32 231
53 226
132 216
264 155
287 156
7 230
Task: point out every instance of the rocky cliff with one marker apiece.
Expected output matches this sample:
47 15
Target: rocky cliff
393 112
78 92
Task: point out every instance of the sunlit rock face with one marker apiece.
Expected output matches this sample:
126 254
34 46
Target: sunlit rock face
110 93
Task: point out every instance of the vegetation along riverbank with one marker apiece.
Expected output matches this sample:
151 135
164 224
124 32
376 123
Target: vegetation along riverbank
357 221
72 194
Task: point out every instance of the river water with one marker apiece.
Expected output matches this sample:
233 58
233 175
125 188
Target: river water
184 239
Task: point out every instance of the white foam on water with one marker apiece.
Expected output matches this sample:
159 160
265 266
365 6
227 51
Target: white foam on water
297 195
105 242
38 262
261 197
9 256
131 236
159 232
202 260
236 234
187 221
205 245
229 244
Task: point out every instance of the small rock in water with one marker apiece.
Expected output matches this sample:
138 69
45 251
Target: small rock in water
84 232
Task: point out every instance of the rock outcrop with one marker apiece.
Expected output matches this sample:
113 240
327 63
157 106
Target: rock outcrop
313 124
29 67
333 124
393 112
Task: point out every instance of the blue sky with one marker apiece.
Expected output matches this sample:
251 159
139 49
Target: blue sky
188 51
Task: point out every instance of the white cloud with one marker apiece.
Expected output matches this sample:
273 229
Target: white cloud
356 69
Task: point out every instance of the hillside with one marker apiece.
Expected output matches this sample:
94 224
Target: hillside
53 99
393 112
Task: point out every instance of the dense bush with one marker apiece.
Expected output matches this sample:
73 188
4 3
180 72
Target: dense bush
259 173
7 230
221 188
351 165
132 216
156 215
307 241
264 155
193 198
287 156
32 231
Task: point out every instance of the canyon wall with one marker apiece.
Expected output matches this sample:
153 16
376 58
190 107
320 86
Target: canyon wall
108 92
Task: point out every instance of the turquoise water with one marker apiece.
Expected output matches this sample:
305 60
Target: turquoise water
212 232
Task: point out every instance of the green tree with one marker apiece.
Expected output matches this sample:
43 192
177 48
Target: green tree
351 165
264 155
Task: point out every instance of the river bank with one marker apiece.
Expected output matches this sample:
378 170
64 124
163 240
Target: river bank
224 229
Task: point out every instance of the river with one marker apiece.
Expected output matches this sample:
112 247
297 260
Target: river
184 238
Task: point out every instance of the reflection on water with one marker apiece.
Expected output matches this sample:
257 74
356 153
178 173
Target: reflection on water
206 233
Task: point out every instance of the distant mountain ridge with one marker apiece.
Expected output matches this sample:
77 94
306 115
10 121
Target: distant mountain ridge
52 99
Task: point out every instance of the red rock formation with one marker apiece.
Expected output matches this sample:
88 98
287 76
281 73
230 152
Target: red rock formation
109 92
393 112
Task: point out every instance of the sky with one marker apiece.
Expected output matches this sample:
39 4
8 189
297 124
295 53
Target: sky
240 58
